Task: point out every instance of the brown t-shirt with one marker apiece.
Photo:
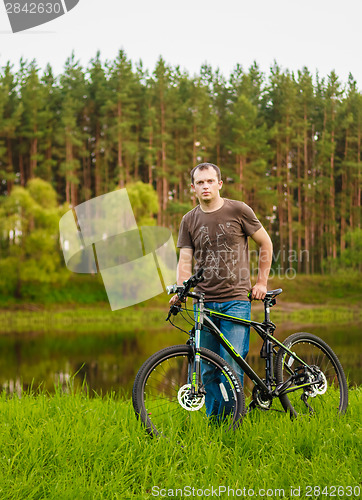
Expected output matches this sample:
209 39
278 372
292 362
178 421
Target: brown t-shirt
219 241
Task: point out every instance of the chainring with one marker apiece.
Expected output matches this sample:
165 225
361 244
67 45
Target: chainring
260 399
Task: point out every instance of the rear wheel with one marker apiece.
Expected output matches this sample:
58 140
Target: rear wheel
321 384
164 401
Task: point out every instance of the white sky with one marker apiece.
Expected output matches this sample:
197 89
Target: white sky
320 34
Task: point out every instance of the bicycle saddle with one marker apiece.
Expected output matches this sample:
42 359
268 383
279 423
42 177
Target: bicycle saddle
273 293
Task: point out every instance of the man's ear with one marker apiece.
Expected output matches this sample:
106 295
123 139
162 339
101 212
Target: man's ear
220 185
193 188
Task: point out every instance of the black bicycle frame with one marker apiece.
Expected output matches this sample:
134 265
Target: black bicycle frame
231 350
265 331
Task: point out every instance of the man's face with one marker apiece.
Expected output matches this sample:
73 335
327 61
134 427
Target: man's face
206 185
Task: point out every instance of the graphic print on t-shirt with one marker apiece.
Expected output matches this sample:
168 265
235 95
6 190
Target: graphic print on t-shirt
221 258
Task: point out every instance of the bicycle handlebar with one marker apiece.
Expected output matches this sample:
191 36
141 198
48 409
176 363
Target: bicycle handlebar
183 290
190 283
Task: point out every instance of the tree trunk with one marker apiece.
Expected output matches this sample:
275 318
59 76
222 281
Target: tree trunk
10 167
241 172
159 193
98 186
163 160
289 194
280 209
21 168
300 213
120 145
33 159
356 223
306 198
150 155
343 196
311 255
194 152
136 163
333 193
68 159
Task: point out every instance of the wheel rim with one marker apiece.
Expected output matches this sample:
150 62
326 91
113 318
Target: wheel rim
170 410
324 374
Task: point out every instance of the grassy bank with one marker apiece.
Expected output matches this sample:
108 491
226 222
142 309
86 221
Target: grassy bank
135 319
342 289
83 306
70 446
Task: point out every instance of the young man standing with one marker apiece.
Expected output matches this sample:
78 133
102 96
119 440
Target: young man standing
215 234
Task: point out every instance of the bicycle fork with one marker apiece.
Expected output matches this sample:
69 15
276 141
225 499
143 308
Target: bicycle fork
196 368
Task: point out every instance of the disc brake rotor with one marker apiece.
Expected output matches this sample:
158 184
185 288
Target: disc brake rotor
187 401
320 388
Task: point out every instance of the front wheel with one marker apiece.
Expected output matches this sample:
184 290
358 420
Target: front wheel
322 383
167 404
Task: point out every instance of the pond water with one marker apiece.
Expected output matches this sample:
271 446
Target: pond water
109 362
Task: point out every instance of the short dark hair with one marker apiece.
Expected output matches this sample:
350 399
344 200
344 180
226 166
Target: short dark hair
205 166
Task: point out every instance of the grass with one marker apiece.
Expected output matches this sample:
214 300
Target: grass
292 305
342 288
338 289
70 446
81 319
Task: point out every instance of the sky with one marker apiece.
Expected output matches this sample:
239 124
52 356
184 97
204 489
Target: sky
320 34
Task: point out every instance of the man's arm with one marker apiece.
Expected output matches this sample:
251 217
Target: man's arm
184 269
263 240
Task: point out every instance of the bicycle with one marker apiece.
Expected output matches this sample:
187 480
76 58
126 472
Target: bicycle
177 386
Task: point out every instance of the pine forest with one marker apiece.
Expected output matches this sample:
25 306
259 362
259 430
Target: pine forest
288 144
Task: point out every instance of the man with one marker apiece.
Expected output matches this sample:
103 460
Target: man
215 234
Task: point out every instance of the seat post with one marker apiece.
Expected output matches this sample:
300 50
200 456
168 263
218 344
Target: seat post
267 310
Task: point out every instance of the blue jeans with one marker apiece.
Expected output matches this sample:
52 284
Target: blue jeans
238 336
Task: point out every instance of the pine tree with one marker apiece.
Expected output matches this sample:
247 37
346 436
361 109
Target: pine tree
74 124
97 93
123 116
305 171
161 99
281 111
51 111
248 141
11 110
32 127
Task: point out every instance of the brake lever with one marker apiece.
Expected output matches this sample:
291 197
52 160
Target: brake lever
173 310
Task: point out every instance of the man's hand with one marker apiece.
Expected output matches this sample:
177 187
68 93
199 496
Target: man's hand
258 291
174 300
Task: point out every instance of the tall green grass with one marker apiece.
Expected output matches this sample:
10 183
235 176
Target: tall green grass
70 446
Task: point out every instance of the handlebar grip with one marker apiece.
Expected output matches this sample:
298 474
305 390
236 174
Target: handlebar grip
171 289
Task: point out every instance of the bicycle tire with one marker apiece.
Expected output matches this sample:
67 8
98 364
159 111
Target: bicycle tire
332 389
161 391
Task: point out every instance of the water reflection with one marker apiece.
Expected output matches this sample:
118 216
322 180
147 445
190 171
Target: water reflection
102 363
